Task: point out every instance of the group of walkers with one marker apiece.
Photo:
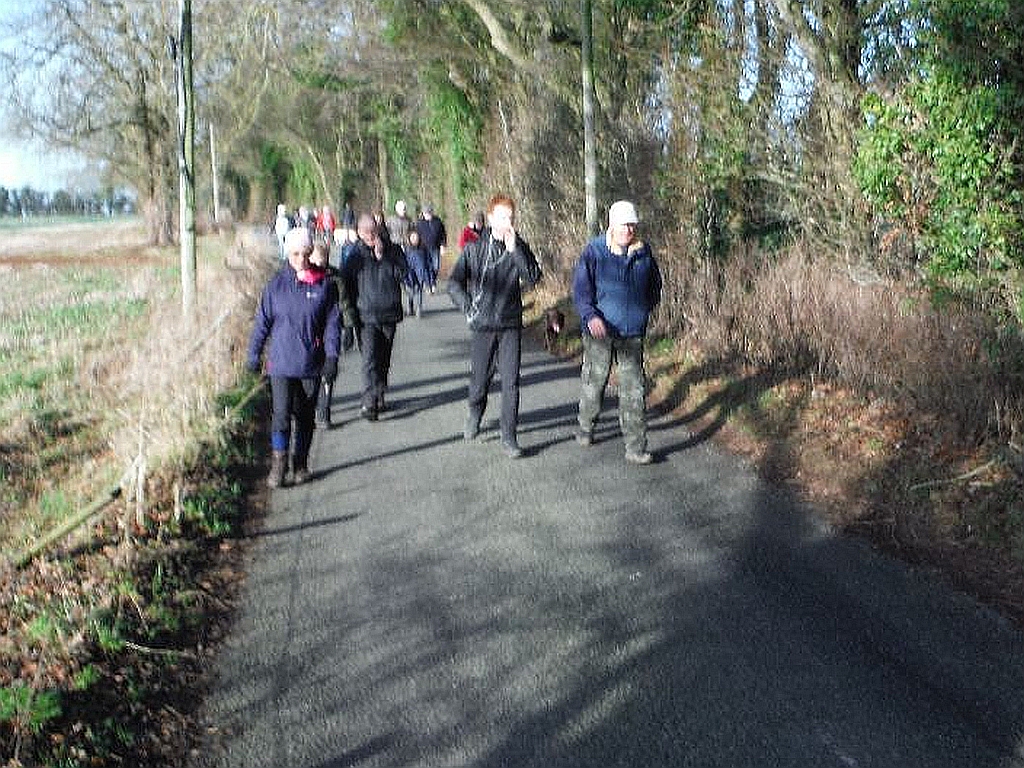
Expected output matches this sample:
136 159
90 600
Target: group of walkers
311 311
320 223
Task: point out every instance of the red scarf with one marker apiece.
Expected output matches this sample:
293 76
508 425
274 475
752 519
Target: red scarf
311 276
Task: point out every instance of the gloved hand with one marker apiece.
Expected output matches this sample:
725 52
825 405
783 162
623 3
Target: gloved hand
330 369
348 339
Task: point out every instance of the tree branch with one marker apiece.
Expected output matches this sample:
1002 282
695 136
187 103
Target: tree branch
499 39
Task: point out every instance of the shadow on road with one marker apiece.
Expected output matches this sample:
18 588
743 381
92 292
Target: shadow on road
570 610
288 529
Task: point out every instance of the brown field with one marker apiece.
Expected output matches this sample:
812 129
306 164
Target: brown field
57 244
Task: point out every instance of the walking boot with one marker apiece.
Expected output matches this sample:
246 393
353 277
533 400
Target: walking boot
278 464
472 428
300 474
511 449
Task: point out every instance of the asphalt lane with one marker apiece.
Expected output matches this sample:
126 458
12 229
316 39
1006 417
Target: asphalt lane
429 602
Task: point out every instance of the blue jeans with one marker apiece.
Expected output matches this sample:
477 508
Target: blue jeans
435 266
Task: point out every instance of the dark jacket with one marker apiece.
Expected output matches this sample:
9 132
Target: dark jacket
345 304
419 266
301 321
375 285
398 230
485 282
432 233
621 288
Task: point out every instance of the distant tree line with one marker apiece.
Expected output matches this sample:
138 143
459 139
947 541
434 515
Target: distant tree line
27 201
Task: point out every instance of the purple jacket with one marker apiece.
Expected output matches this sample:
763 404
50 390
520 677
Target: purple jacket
302 322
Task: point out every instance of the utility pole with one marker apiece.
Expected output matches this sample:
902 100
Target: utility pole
186 158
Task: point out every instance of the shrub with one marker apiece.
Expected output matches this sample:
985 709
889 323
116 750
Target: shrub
788 314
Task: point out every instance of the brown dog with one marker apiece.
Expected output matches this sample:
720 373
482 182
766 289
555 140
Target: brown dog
554 322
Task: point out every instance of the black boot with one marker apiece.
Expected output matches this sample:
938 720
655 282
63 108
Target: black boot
300 472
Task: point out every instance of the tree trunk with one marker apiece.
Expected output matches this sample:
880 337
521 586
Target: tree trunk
216 186
833 48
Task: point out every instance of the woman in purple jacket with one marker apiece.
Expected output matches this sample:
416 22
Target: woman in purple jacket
299 316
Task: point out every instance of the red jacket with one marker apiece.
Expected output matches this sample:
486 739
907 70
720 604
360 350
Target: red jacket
468 235
326 222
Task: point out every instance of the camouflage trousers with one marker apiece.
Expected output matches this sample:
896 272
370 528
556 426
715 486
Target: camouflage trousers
597 363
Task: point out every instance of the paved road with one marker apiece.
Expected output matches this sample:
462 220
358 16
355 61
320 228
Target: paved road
428 602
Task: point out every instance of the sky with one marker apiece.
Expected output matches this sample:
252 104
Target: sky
23 163
44 170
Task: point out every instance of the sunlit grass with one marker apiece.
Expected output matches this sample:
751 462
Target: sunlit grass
9 223
91 369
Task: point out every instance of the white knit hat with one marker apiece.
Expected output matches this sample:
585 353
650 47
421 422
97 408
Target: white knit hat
297 239
622 212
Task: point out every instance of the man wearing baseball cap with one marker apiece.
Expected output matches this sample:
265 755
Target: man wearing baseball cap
616 286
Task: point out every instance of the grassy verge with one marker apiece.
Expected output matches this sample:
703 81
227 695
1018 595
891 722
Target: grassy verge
103 638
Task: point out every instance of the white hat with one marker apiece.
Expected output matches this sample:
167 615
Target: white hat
297 238
622 212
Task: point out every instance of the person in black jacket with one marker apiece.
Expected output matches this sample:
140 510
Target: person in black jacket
434 238
373 274
485 283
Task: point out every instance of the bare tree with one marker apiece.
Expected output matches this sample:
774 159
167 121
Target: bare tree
94 77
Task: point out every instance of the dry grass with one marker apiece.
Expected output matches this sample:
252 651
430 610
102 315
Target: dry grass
104 369
792 314
113 377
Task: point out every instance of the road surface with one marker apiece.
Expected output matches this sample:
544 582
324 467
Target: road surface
430 602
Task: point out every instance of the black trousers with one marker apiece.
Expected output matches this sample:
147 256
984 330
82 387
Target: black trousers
376 342
293 398
504 348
